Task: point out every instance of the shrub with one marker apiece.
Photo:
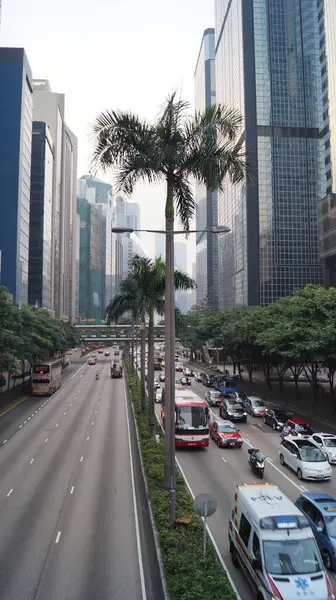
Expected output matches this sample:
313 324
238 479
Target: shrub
188 575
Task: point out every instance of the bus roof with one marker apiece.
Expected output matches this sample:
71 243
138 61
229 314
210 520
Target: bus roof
50 361
185 396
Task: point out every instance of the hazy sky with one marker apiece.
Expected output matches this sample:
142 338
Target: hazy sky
126 54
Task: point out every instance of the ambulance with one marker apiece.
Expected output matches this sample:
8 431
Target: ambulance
271 541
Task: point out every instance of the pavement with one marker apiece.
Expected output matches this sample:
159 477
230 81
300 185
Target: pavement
218 471
68 501
321 414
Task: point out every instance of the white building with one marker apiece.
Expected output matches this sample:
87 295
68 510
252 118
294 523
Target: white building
49 108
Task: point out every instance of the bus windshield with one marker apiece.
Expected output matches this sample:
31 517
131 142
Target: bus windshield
41 369
191 417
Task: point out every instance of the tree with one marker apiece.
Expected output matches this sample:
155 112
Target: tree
143 292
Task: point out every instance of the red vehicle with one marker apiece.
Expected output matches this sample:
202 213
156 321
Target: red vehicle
191 419
299 427
92 361
225 434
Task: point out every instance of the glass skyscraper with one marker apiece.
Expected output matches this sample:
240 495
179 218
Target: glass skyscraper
40 226
267 66
16 116
206 200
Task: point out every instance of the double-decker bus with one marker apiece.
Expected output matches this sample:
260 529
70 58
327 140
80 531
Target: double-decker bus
191 419
46 377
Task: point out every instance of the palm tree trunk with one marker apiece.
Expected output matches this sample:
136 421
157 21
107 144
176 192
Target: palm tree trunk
143 360
151 413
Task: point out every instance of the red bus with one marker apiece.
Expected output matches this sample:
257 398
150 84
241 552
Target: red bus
191 423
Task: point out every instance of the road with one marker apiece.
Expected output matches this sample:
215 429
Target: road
218 471
68 519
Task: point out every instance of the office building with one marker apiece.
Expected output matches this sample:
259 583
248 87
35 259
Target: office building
49 107
128 215
16 117
91 306
327 205
133 213
267 67
160 245
40 225
206 200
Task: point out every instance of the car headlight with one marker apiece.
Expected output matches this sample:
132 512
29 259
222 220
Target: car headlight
245 414
280 424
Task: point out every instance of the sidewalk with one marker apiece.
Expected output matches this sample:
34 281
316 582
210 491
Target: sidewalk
324 410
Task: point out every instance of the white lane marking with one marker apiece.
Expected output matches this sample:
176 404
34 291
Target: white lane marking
58 537
98 402
29 418
303 488
270 459
92 423
72 489
5 441
211 536
45 441
10 492
224 459
56 425
279 470
20 426
87 439
70 404
96 412
135 509
25 422
32 460
81 459
64 413
248 441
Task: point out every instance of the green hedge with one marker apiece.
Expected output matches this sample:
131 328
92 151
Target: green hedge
188 576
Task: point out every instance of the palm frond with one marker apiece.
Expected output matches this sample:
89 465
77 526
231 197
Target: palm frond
184 199
182 281
134 169
215 120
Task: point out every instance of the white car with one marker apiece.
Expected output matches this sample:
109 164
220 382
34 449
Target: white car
305 458
327 443
158 395
156 384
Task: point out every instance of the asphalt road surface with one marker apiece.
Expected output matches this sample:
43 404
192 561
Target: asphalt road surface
218 471
68 522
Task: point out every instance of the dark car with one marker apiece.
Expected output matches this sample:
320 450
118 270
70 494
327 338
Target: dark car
276 418
185 380
207 379
232 412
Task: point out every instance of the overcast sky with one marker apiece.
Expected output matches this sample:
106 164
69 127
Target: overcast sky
125 54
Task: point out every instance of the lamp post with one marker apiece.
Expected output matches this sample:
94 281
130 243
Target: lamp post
169 439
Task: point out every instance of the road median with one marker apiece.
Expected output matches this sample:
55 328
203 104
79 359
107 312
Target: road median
188 576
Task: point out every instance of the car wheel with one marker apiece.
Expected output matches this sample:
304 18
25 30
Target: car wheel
234 558
282 460
299 473
273 426
327 560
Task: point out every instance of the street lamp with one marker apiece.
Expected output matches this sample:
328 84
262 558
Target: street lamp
169 439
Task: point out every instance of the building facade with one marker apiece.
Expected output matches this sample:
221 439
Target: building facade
16 118
206 200
68 230
267 67
327 205
40 225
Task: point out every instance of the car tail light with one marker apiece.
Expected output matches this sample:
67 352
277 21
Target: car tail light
331 595
275 591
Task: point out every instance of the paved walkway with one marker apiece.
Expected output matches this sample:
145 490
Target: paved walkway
324 409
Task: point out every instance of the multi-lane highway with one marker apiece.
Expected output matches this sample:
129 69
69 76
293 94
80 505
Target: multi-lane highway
218 471
68 516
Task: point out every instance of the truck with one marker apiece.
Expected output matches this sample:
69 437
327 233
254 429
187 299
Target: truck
116 370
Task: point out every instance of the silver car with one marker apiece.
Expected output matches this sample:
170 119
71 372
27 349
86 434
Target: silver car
327 443
255 406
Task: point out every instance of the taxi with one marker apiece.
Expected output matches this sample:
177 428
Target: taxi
92 361
225 434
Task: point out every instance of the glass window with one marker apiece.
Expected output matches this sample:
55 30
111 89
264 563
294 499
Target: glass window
291 557
244 530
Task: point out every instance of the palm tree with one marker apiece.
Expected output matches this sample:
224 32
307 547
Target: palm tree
143 292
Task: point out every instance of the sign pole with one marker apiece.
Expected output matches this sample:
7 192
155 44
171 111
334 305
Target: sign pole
205 533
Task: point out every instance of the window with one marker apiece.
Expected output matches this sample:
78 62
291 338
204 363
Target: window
244 530
317 439
256 547
308 508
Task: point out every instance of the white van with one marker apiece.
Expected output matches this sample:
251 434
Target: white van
275 546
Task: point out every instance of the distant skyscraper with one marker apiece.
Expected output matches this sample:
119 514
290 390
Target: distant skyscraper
160 245
206 200
268 67
40 225
133 213
327 206
16 115
68 228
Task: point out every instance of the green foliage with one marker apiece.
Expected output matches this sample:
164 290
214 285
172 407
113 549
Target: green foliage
27 333
188 576
295 332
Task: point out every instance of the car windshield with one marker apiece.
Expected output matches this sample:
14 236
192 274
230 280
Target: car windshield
330 522
257 403
302 427
190 417
291 557
310 453
330 442
281 416
215 394
236 408
226 428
